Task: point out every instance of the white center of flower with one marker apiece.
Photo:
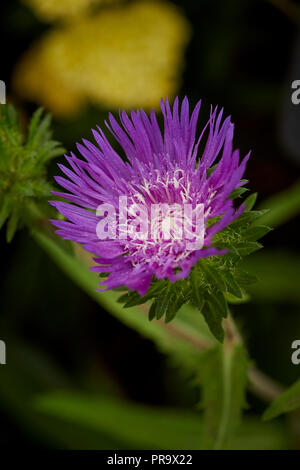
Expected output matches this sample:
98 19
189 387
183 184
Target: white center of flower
164 198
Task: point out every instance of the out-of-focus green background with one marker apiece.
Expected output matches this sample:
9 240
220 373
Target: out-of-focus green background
240 54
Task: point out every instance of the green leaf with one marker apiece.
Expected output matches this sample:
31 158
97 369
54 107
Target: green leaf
138 426
282 206
33 126
231 284
249 217
247 247
250 201
232 299
132 299
162 303
208 300
256 232
12 225
152 310
4 211
197 293
176 302
223 378
237 192
214 318
244 278
27 394
288 401
213 275
144 426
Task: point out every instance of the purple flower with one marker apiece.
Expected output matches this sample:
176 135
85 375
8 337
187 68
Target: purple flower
157 168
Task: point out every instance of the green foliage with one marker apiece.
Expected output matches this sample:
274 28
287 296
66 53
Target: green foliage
223 393
188 343
23 183
69 420
183 340
282 206
150 427
288 401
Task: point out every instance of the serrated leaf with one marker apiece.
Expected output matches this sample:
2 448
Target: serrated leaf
288 401
231 284
213 319
152 311
174 306
248 218
134 299
247 247
229 246
124 297
244 278
155 290
218 299
213 275
198 296
256 232
36 117
212 305
131 299
232 299
162 302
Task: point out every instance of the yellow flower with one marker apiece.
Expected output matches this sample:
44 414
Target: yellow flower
51 10
129 56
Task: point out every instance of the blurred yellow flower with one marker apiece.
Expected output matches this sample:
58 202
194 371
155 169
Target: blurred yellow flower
51 10
126 57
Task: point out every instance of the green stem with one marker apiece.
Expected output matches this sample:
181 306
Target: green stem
263 386
225 417
260 384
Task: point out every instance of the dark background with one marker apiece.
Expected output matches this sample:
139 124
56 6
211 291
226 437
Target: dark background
242 55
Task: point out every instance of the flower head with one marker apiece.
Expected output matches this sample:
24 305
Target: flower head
157 169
